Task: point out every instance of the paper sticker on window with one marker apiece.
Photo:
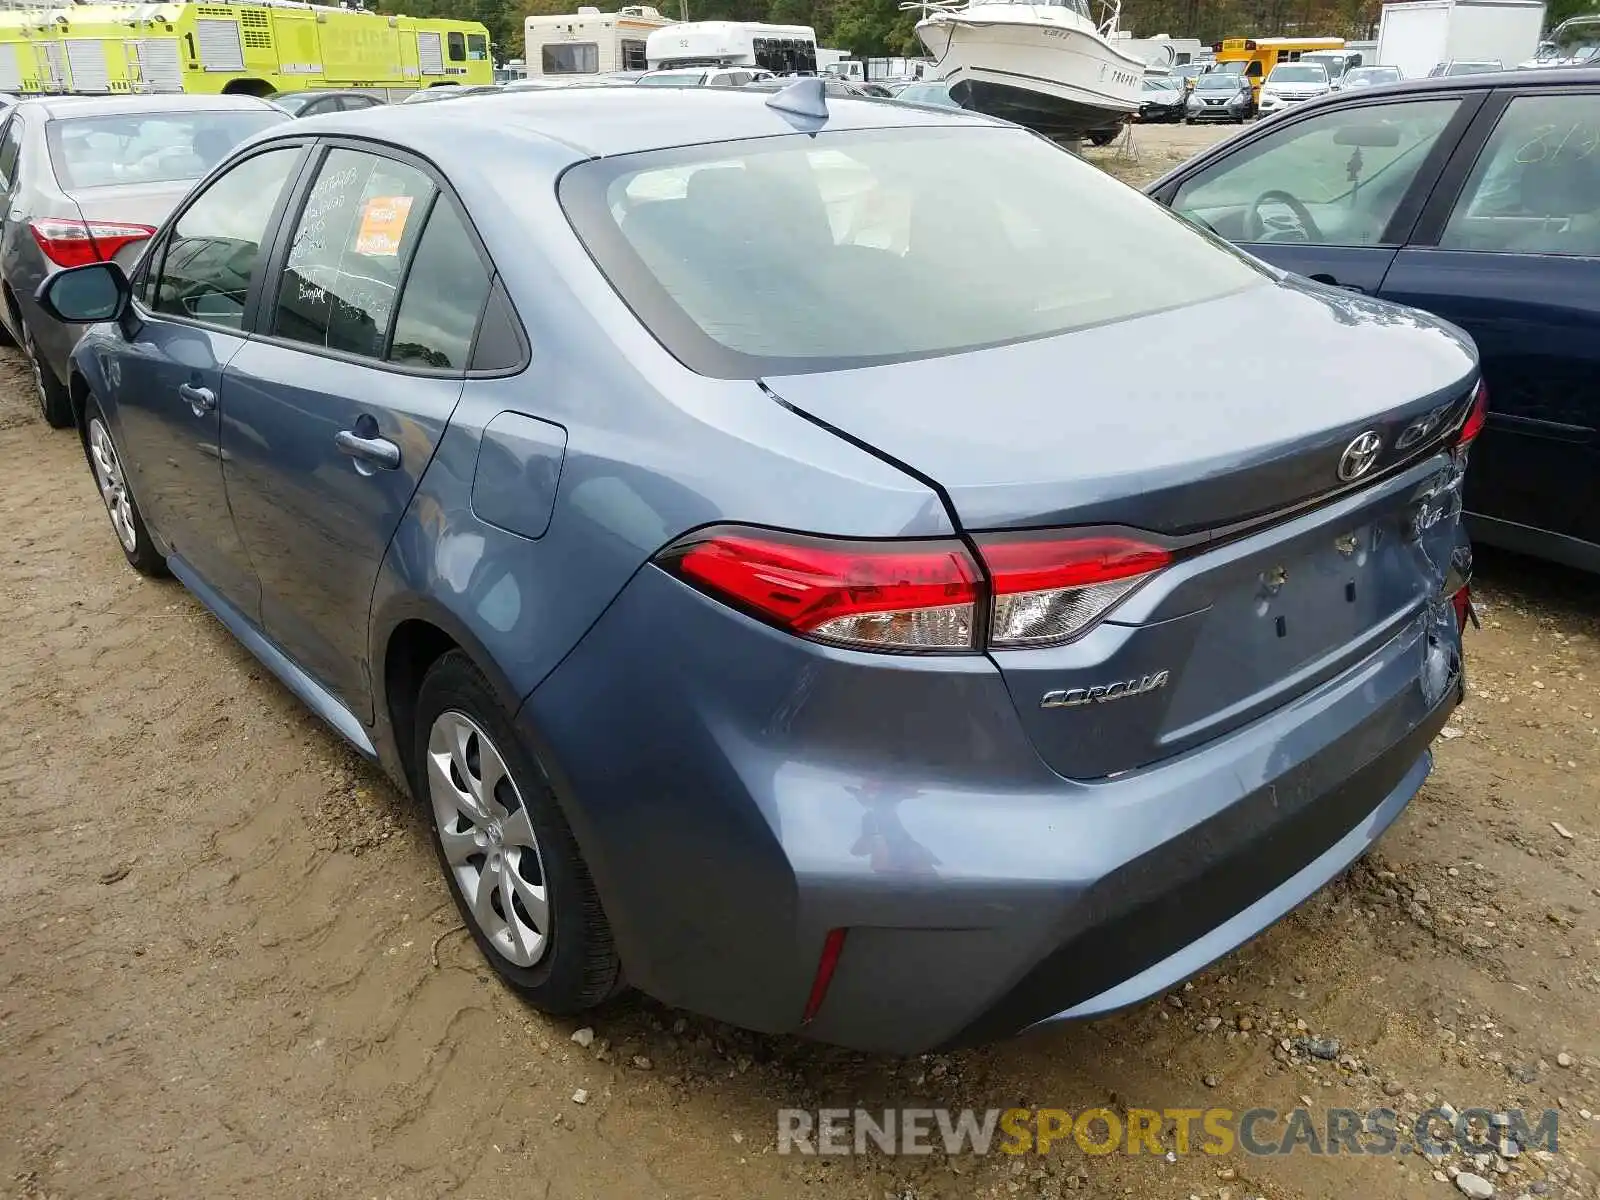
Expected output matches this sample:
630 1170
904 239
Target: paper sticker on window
383 224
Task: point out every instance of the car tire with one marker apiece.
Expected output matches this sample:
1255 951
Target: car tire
127 522
509 858
55 402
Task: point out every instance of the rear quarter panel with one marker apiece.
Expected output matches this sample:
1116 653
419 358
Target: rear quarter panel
652 451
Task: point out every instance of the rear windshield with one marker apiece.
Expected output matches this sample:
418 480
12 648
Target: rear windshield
166 147
791 254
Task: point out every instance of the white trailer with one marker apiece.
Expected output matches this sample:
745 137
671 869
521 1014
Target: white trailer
1418 35
589 42
781 49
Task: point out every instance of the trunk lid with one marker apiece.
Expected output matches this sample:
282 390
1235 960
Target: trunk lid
1285 574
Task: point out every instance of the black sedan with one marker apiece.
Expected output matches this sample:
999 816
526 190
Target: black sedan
1475 198
1162 98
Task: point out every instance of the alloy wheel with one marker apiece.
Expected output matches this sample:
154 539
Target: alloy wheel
487 838
113 486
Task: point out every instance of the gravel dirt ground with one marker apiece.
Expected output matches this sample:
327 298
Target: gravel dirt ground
229 966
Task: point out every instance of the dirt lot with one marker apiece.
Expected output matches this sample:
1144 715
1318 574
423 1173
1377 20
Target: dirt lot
229 967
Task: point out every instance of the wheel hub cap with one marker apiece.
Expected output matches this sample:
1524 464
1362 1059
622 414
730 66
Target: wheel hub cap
113 488
488 839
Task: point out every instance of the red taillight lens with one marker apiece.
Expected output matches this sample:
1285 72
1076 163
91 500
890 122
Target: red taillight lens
881 596
1049 590
76 243
1476 416
1462 603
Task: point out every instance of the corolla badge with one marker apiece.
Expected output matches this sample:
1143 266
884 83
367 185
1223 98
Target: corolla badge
1359 456
1100 693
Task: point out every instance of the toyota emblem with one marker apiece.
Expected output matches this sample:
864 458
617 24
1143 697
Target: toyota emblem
1359 456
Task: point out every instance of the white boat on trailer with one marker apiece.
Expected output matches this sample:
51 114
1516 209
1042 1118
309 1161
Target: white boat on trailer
1044 64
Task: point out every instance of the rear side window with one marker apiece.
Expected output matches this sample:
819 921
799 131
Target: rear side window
10 151
212 252
444 294
458 46
164 147
345 261
797 253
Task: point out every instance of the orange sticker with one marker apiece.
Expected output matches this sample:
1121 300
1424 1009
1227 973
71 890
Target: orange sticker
383 224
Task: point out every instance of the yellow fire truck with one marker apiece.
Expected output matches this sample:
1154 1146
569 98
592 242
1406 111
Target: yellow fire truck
253 47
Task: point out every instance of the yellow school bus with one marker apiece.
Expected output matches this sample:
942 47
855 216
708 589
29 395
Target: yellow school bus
1254 58
256 47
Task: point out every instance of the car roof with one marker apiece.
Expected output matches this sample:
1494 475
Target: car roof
1534 77
99 106
604 121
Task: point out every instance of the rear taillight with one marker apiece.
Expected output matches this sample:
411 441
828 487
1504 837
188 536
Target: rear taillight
75 243
1051 589
918 595
877 595
1476 416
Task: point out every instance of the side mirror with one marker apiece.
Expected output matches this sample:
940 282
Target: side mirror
86 294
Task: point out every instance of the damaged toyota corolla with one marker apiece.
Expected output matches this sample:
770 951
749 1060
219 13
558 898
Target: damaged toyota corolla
901 675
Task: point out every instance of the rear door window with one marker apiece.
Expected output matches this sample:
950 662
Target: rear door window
1536 186
347 254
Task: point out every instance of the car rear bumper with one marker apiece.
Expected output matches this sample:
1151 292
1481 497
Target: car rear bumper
739 793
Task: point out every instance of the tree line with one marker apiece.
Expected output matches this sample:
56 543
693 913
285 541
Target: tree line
878 27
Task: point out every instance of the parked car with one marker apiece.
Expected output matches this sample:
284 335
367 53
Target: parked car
314 104
1162 98
1462 66
450 91
1477 199
629 568
931 93
84 178
1220 96
836 89
1360 77
701 77
1293 83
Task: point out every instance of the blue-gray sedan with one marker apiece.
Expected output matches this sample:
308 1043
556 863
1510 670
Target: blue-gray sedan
906 675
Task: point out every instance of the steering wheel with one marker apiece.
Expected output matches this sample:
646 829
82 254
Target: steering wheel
1261 229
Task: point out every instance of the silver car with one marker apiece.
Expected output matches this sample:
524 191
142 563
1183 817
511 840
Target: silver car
85 179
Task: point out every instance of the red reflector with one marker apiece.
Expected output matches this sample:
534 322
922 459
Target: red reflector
1036 566
832 946
886 595
76 243
1476 416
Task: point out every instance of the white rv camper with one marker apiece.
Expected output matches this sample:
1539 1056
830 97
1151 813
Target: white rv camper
589 42
781 49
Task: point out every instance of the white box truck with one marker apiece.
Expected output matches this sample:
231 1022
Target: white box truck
1418 35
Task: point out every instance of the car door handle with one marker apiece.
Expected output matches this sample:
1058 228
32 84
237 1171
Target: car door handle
1332 282
201 399
369 452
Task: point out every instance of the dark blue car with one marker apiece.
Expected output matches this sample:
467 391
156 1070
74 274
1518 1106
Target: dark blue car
1478 199
903 674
